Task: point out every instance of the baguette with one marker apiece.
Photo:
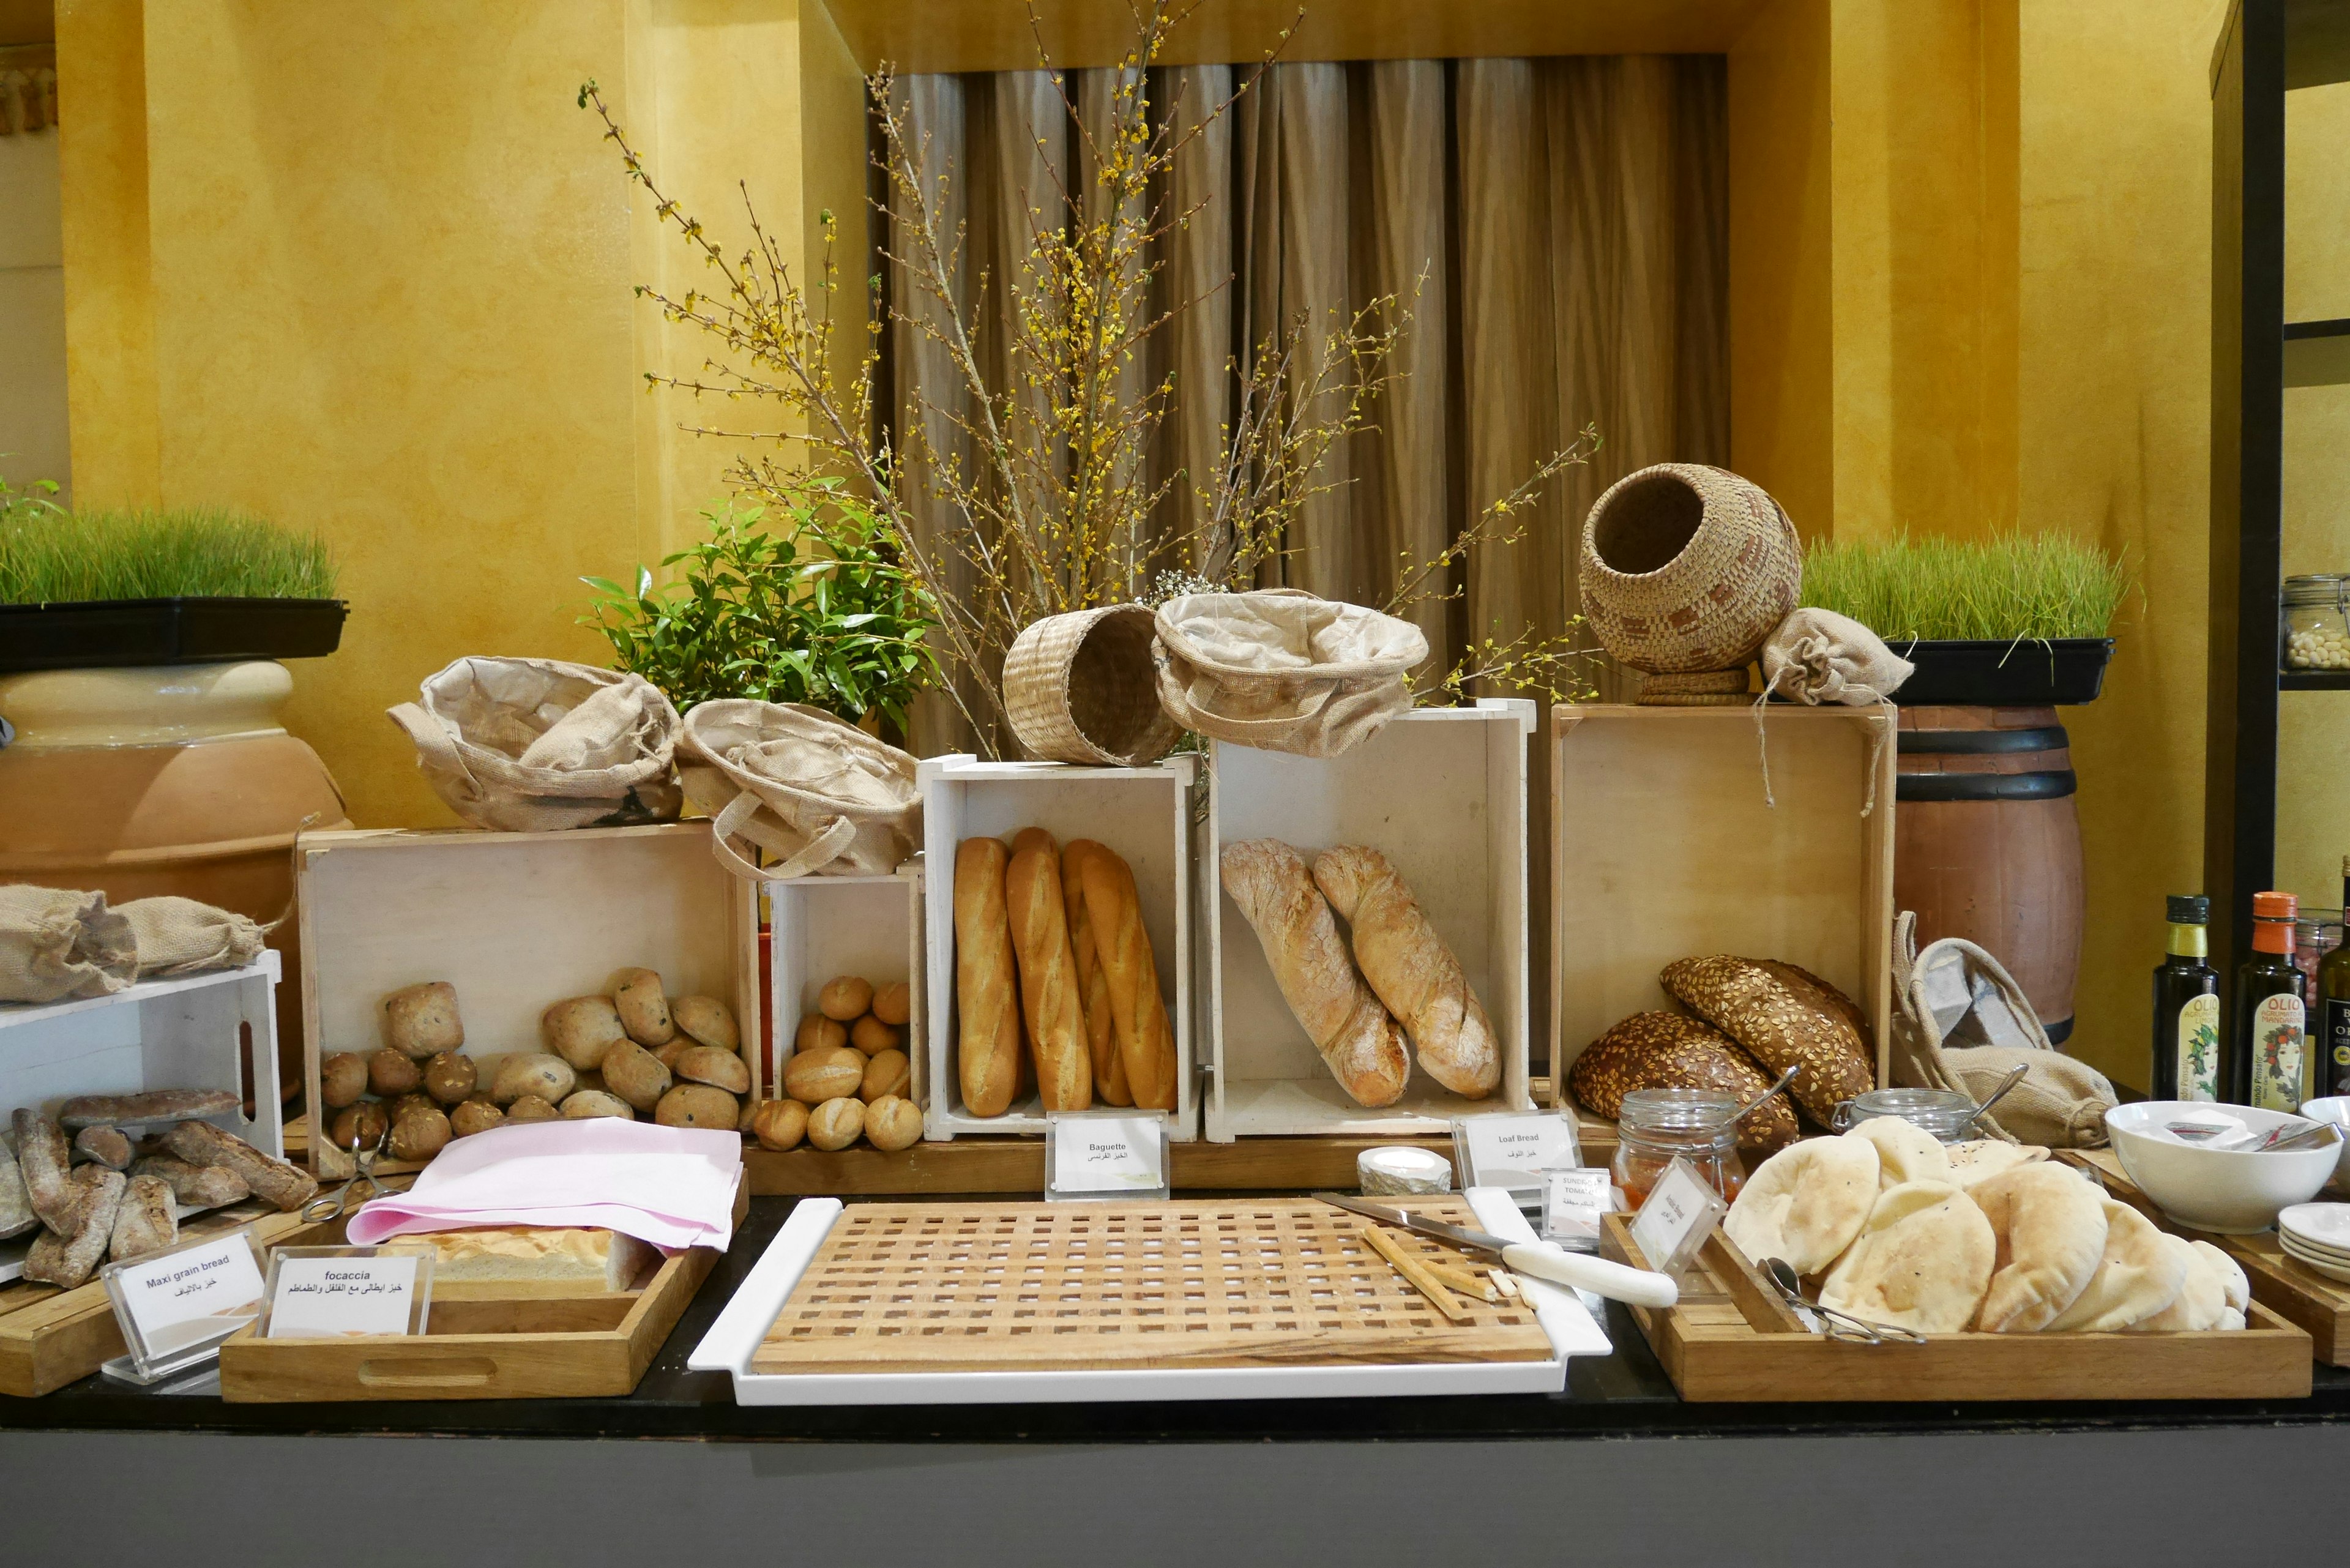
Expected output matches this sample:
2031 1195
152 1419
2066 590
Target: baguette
154 1105
272 1180
1359 1042
1048 973
1093 986
65 1255
1411 969
45 1163
988 1040
1122 948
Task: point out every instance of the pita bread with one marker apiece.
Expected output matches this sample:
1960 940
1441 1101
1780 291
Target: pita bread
2051 1226
1983 1159
1805 1203
2232 1319
2202 1299
1922 1261
2137 1277
1905 1151
2231 1275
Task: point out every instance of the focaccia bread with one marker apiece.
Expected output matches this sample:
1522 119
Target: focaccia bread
1412 971
1360 1043
1667 1051
1923 1261
2051 1226
594 1259
1805 1203
1779 1024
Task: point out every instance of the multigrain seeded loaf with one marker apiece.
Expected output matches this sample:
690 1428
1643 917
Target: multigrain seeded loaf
1778 1026
1667 1051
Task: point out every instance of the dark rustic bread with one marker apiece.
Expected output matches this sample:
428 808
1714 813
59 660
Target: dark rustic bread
1779 1024
1667 1051
1820 993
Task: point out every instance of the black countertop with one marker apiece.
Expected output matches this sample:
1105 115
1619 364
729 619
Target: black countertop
1624 1395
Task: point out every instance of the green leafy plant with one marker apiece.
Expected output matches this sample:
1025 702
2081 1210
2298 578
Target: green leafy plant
2010 589
816 610
51 556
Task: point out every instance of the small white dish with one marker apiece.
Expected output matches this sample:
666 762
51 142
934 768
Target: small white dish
2323 1226
2335 1108
2331 1270
2234 1191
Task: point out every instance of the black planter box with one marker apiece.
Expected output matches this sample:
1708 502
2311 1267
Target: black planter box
98 633
2060 672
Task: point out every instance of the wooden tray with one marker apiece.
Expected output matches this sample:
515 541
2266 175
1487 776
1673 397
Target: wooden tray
1733 1340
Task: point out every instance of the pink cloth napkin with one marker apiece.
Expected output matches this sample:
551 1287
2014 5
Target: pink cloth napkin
674 1187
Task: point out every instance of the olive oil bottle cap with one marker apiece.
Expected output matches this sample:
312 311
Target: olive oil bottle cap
2275 906
2189 909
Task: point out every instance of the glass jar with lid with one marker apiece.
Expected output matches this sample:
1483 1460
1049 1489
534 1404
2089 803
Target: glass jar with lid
1657 1126
1945 1113
2315 933
2317 622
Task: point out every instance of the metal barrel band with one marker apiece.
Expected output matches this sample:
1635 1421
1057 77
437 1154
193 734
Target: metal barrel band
2053 786
1981 743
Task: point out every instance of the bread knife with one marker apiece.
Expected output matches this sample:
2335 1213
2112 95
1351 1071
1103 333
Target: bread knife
1637 1287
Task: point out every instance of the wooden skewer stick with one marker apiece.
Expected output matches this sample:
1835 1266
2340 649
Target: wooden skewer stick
1412 1270
1461 1279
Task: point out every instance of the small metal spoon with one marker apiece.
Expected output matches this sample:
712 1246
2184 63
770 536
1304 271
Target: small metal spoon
1994 1098
1841 1325
1751 1106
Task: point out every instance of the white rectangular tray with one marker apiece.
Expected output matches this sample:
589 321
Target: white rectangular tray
735 1339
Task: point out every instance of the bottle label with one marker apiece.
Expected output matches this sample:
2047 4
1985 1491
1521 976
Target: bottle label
2199 1050
2278 1046
2337 1046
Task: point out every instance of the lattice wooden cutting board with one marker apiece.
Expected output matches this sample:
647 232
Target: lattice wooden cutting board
969 1287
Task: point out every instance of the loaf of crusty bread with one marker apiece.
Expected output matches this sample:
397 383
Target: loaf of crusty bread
1145 1040
273 1180
65 1255
1048 973
1411 969
1093 986
145 1221
593 1259
987 997
1359 1041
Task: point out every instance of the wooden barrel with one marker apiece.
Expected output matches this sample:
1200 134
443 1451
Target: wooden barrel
1987 843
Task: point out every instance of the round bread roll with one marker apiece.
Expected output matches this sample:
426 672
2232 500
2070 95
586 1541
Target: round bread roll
362 1126
342 1078
421 1021
585 1105
2202 1298
821 1076
532 1108
1982 1159
845 999
886 1074
706 1019
894 1003
779 1125
634 1074
551 1078
1922 1261
872 1036
581 1029
1805 1203
709 1065
1777 1014
419 1134
2050 1226
451 1077
834 1124
1667 1051
414 1100
2137 1276
667 1056
391 1072
643 1007
697 1105
477 1115
1905 1151
892 1123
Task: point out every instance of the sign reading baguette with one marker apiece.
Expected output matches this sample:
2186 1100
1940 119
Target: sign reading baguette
1095 1154
338 1292
175 1307
1680 1213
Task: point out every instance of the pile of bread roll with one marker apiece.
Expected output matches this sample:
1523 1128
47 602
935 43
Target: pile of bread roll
848 1074
1990 1237
1390 983
630 1053
1055 982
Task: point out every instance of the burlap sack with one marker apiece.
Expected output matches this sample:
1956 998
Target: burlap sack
179 936
1962 1023
1817 657
527 745
1283 670
56 945
805 784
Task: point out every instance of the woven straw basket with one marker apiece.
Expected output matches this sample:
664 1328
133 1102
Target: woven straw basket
1687 568
1082 688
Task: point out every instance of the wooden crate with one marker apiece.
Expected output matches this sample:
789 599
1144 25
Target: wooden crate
1144 814
516 921
1442 792
1732 1339
1664 846
820 926
975 1165
216 1030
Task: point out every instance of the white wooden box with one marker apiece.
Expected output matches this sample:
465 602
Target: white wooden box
516 921
1143 814
1664 846
216 1030
1442 792
821 926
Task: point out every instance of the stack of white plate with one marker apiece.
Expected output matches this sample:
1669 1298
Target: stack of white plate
2318 1235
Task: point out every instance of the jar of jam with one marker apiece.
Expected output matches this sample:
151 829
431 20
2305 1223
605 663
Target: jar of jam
1945 1113
1657 1126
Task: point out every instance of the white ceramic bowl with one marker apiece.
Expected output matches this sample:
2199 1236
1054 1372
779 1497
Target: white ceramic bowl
2335 1108
2235 1192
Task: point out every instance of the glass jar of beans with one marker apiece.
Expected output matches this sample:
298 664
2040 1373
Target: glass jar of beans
2317 622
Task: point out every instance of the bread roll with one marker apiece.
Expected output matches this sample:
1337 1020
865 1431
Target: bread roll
817 1032
834 1124
1146 1041
1049 1001
892 1123
2051 1229
529 1108
1360 1042
1093 985
586 1104
819 1076
342 1078
361 1127
550 1077
1411 969
872 1036
708 1021
480 1114
886 1074
581 1029
779 1125
451 1077
987 1048
698 1106
845 998
643 1007
419 1134
712 1065
1923 1261
1669 1051
421 1019
634 1074
392 1072
1805 1203
894 1003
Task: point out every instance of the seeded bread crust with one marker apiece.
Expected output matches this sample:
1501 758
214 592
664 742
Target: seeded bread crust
1667 1051
1769 1013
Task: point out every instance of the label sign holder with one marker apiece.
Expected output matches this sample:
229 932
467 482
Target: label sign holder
1679 1212
384 1291
175 1307
1515 1150
1573 1201
1090 1156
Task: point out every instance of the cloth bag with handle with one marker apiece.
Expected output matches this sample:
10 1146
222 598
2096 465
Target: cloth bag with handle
528 745
1283 670
1961 1022
181 936
1818 657
803 784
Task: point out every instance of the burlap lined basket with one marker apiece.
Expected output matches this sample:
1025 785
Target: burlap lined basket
804 784
1081 687
1283 670
1687 568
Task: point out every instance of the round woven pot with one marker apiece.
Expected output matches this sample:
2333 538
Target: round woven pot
1686 568
1702 689
1081 687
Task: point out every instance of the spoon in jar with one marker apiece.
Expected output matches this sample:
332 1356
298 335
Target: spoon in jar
1751 1106
1992 1099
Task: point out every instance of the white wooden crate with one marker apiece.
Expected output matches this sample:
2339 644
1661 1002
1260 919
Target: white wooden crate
216 1030
1442 792
820 926
1143 814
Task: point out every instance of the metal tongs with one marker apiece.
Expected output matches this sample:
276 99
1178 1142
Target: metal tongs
319 1211
1836 1325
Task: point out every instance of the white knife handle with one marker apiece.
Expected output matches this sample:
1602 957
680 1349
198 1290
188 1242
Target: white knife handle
1637 1287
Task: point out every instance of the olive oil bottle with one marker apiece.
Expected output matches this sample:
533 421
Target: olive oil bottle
2269 1062
2333 1012
2187 1007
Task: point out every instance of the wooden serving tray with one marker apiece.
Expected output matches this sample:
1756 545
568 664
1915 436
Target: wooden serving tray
1060 1287
1732 1339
